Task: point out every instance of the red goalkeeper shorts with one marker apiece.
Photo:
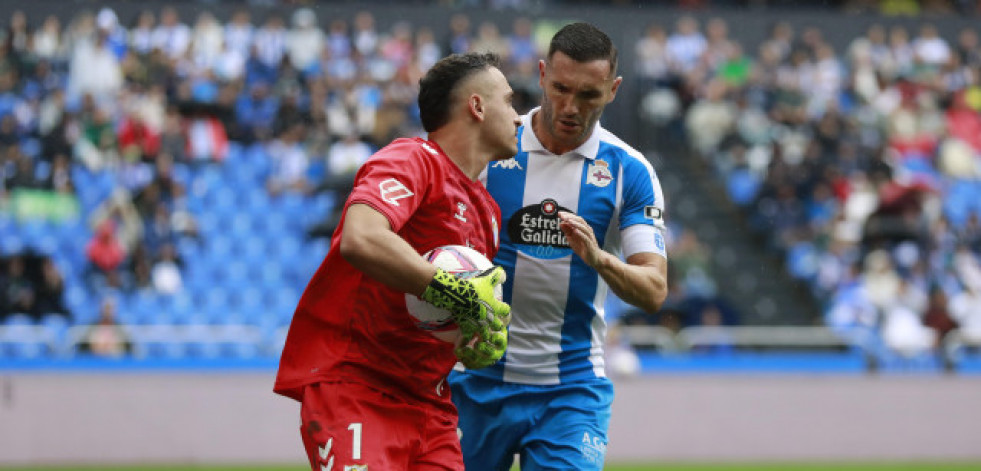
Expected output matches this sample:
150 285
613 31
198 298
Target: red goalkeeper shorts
350 427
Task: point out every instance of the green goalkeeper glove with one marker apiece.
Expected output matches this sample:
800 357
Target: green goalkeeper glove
482 319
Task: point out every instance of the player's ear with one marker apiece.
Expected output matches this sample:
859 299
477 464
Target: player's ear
616 86
476 106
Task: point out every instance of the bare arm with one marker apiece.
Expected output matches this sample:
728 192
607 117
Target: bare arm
369 244
641 281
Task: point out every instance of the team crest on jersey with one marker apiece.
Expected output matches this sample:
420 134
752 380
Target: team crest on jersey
393 190
356 467
599 174
507 164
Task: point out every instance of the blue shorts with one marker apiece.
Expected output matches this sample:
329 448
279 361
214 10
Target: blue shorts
554 427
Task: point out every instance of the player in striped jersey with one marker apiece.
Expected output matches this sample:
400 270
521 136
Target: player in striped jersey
573 196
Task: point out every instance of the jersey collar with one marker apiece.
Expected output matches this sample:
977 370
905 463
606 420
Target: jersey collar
530 142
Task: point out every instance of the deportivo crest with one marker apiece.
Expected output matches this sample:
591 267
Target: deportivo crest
599 174
393 190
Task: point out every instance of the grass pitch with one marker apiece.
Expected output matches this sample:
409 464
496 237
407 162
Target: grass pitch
829 466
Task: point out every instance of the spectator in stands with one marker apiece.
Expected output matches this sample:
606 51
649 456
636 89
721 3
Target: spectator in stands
685 46
343 161
207 139
106 338
171 36
239 33
141 36
97 148
254 112
94 70
290 162
158 231
937 316
166 270
18 293
105 255
365 36
139 269
126 221
651 57
59 178
24 175
51 290
47 40
270 42
207 41
306 40
137 140
172 139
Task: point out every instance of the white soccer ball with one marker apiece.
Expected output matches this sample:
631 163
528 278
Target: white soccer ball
461 261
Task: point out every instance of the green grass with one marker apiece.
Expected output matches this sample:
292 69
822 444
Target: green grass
828 466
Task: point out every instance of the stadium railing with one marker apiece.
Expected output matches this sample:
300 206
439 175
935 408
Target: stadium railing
722 348
962 350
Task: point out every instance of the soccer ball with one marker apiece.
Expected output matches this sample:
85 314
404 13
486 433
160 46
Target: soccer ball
461 261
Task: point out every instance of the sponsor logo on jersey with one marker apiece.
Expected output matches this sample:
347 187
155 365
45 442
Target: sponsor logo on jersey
356 467
653 212
599 174
393 190
460 209
537 225
509 164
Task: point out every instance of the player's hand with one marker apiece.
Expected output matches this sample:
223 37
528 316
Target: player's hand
478 314
581 238
483 352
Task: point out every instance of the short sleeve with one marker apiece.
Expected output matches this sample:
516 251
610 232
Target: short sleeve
394 182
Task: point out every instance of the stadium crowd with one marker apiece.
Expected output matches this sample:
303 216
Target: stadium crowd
121 139
861 166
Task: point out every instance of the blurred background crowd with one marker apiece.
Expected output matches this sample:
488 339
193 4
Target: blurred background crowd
161 168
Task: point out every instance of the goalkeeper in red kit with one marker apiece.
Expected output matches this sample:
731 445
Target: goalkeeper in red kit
370 382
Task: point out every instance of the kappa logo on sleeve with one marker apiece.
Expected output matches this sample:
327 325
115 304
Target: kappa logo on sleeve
393 190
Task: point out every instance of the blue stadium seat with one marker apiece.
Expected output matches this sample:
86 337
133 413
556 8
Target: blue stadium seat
18 319
201 341
24 341
11 243
158 341
238 341
56 324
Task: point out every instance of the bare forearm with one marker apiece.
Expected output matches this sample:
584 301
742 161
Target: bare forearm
368 244
644 286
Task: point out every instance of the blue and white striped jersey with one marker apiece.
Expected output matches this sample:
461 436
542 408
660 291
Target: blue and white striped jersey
558 325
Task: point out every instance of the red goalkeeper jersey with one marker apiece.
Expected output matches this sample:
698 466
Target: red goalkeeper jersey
349 327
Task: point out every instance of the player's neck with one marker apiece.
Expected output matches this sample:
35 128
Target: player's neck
462 149
549 142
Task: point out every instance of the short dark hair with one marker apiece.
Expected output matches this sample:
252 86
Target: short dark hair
583 42
437 86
